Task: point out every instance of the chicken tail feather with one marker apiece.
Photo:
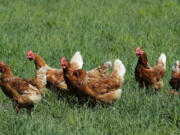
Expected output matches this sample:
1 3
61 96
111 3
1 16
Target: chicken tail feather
119 68
162 60
77 60
176 66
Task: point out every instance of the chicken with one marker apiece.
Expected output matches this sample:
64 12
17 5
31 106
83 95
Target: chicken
149 76
105 88
55 76
175 80
23 92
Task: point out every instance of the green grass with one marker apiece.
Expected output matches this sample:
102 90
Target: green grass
102 30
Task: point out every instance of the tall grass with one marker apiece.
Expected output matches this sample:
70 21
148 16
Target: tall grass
102 30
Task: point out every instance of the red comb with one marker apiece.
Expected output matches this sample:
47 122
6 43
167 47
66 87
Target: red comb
1 63
138 48
29 52
63 59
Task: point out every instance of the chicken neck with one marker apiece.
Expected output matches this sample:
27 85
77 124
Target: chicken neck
7 73
39 62
143 60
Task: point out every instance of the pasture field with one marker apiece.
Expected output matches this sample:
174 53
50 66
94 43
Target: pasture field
102 30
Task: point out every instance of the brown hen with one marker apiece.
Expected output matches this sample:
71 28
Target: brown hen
175 80
23 92
149 76
104 88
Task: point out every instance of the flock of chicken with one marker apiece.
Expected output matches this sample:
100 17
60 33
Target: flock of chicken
98 83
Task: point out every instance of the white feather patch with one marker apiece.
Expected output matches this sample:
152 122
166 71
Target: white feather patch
41 75
117 94
77 58
35 98
32 88
108 63
176 66
162 59
31 94
120 68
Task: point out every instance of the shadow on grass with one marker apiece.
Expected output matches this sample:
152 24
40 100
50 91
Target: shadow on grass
73 100
76 101
148 91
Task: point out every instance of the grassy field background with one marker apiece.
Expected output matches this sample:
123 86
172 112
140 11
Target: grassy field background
102 30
